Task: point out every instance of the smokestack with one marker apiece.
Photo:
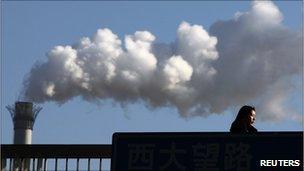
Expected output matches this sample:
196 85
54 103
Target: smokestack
24 115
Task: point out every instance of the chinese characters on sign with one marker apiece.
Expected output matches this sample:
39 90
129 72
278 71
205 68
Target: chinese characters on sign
140 156
236 157
172 159
204 157
205 151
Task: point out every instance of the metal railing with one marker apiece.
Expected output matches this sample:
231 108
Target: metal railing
54 157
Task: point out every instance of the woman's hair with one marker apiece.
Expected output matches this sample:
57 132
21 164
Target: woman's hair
244 112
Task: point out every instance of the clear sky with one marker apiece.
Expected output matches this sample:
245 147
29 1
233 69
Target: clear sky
30 29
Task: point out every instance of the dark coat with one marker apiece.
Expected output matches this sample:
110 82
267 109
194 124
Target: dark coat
242 128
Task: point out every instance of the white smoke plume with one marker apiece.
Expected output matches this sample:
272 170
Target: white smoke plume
247 59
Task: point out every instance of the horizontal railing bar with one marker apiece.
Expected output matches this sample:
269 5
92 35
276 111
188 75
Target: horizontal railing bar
55 151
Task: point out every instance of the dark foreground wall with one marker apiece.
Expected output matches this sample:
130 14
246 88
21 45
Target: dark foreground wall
207 151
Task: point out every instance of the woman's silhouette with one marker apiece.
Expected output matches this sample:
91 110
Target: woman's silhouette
244 120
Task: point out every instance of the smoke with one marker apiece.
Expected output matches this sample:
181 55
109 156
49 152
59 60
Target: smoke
259 56
248 59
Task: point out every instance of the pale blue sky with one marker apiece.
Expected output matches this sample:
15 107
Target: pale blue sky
30 29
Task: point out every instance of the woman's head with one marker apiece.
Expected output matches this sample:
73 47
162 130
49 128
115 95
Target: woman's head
246 114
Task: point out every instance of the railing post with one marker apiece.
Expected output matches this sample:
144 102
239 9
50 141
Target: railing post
16 164
3 164
45 164
10 164
66 164
56 163
33 164
77 167
100 164
25 164
89 164
39 164
22 161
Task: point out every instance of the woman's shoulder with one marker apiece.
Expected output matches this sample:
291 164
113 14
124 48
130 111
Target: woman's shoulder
252 129
237 127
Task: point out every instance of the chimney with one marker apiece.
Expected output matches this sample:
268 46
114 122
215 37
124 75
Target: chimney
24 115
